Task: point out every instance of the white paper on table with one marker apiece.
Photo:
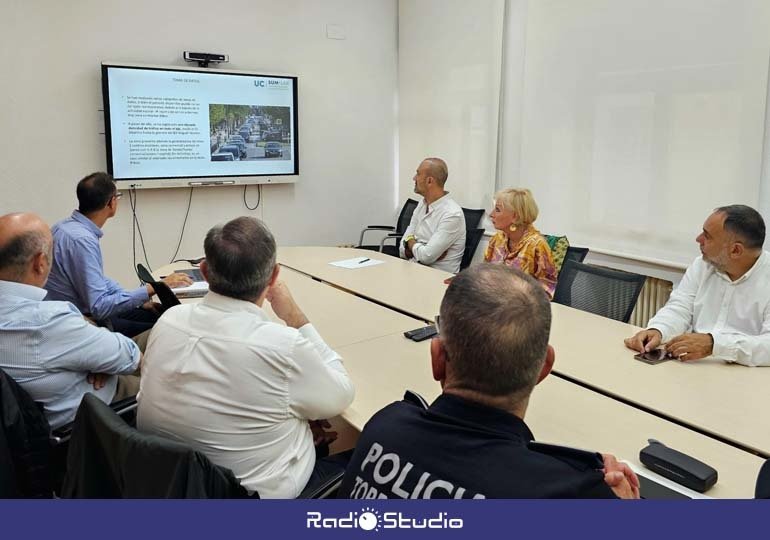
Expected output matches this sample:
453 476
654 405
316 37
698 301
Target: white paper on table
357 262
198 288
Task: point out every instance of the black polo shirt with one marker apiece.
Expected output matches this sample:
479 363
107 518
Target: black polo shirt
461 449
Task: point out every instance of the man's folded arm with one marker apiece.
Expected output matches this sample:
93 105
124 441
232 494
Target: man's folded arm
447 233
83 347
319 387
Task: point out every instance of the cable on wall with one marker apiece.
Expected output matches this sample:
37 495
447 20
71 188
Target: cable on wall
132 197
259 197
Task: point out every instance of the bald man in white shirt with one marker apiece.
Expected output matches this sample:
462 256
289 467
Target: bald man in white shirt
436 234
721 308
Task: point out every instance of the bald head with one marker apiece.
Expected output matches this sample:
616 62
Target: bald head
437 168
25 249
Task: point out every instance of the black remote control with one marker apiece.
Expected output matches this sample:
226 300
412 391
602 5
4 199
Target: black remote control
421 334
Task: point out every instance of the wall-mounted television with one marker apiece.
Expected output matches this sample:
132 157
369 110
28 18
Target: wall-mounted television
174 127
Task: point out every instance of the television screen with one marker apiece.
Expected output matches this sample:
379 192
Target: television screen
168 127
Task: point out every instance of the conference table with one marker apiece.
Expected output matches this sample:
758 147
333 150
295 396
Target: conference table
559 412
383 364
725 401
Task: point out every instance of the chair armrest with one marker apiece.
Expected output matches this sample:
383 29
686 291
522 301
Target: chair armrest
63 434
396 237
326 490
374 228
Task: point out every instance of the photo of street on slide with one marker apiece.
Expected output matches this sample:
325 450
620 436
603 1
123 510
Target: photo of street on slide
249 132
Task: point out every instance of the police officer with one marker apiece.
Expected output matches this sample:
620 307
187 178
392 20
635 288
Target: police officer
472 441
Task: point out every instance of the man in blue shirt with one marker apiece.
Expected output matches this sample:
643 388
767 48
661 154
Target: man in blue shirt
48 347
77 274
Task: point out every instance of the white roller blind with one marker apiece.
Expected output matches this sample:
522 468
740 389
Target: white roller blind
637 117
449 62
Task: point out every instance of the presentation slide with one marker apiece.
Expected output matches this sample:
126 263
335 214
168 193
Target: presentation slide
165 123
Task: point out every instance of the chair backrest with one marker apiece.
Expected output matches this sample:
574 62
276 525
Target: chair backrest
405 216
558 246
25 451
472 217
166 296
603 291
577 254
110 459
472 239
762 487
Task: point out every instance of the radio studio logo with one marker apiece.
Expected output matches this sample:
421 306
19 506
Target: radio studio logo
370 519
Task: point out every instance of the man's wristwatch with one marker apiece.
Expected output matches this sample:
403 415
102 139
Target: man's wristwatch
407 238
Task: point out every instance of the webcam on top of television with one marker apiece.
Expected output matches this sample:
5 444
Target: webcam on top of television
204 59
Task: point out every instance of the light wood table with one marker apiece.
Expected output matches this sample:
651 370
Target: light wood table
727 401
405 286
340 317
560 412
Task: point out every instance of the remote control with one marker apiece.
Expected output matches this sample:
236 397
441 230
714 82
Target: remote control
421 334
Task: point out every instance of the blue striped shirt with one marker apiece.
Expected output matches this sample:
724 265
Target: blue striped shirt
77 272
49 349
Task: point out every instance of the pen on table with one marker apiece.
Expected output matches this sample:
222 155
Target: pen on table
362 261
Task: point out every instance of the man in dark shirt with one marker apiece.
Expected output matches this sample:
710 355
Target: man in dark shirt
472 442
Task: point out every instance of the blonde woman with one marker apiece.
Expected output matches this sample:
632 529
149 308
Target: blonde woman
518 243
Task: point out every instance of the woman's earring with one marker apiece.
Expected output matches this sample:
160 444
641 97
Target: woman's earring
513 228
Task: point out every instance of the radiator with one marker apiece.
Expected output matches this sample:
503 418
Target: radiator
654 296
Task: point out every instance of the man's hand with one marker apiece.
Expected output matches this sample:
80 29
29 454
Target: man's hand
691 346
620 478
177 279
284 306
408 247
644 341
320 435
98 380
154 307
443 255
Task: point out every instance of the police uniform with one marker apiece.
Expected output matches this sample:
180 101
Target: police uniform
462 449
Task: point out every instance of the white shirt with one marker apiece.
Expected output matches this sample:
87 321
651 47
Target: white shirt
437 228
736 313
222 377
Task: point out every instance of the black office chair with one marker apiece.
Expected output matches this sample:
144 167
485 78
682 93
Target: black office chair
109 459
577 254
394 232
472 217
472 239
603 291
166 296
32 457
762 488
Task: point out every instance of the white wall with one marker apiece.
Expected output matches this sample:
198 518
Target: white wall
53 131
449 89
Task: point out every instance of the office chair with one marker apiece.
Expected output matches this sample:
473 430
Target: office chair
472 239
110 459
472 218
603 291
166 296
395 232
33 456
577 254
762 488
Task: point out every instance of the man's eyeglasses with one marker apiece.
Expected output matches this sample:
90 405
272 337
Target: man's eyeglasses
118 194
438 328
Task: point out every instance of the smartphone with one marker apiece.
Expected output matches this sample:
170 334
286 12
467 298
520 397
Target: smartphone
653 357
